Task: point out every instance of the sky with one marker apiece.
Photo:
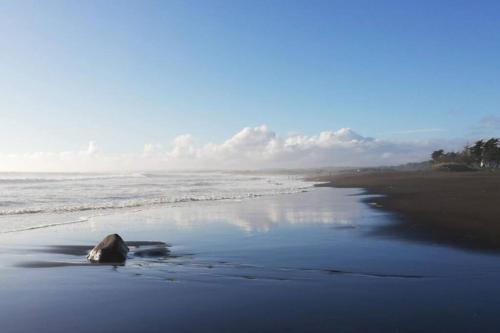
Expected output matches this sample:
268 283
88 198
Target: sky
96 85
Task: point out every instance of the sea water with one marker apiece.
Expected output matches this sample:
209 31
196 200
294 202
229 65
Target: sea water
33 200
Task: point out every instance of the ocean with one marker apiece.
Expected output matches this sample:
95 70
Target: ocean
28 200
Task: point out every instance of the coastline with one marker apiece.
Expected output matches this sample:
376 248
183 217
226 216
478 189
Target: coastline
457 208
312 254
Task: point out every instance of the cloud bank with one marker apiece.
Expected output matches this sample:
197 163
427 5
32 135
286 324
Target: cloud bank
250 148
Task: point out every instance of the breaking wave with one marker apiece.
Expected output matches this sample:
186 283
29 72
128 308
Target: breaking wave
42 178
26 194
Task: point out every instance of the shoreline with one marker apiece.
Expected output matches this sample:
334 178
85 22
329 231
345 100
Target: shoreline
457 208
311 254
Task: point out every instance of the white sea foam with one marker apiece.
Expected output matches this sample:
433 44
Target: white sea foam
142 202
26 197
42 226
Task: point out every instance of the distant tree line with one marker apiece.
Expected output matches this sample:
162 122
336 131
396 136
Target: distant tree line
481 154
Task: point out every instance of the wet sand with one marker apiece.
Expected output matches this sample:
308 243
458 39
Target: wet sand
307 262
459 208
142 249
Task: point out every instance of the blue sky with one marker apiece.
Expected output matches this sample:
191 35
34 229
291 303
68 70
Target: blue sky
126 73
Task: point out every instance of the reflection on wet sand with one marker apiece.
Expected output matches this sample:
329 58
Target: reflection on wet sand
262 215
75 255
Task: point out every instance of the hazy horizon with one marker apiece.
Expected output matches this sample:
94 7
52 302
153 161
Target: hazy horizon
250 149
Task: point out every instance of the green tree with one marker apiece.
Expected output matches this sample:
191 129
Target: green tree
491 152
476 151
437 155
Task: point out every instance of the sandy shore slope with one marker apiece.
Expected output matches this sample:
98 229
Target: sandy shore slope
462 208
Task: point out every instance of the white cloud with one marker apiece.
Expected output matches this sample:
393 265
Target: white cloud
250 148
184 147
151 148
92 148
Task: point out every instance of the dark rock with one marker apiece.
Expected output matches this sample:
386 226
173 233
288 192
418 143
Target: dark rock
111 249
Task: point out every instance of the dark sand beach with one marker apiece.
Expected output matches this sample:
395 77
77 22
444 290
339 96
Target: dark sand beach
305 262
460 208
